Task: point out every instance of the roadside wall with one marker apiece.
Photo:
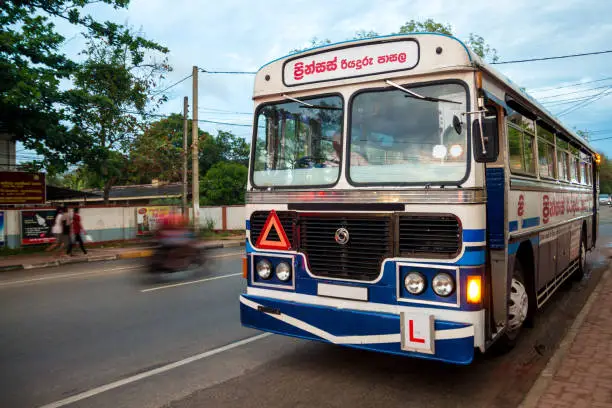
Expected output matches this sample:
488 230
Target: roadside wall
121 223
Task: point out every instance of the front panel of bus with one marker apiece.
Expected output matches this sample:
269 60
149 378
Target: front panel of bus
365 208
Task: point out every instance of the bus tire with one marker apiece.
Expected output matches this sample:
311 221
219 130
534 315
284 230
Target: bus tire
519 309
582 268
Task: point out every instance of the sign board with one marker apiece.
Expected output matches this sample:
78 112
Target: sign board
351 62
273 222
18 187
418 332
36 227
147 218
2 229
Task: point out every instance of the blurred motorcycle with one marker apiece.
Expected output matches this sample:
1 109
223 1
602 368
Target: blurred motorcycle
177 251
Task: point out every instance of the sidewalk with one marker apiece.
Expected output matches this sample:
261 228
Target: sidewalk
46 260
579 374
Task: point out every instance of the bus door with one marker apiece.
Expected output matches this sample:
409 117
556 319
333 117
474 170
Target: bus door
497 188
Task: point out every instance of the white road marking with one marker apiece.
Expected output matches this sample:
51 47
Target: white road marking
68 275
190 282
146 374
226 255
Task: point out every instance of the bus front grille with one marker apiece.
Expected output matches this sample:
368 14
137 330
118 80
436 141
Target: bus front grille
429 236
370 241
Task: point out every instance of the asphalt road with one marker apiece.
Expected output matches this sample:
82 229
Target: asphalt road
96 335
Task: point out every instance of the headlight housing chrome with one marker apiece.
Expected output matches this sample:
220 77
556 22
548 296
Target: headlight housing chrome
443 284
283 271
264 269
415 283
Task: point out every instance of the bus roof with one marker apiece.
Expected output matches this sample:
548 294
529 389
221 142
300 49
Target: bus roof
471 60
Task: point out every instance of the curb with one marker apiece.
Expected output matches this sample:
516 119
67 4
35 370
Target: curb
546 376
142 253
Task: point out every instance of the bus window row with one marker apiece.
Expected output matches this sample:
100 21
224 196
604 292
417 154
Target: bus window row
530 142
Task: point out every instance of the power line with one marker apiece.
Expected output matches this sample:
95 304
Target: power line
554 104
601 138
599 131
199 120
567 86
228 72
224 111
573 92
552 58
584 103
173 85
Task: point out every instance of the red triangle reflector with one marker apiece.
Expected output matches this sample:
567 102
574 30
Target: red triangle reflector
273 222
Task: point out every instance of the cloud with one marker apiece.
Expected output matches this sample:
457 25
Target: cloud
244 35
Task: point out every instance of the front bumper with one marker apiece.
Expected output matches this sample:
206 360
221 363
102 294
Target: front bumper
370 330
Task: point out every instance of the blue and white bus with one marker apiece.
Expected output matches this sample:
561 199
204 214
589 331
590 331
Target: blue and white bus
405 197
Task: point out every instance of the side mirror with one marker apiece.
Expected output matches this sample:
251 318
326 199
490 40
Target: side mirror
486 144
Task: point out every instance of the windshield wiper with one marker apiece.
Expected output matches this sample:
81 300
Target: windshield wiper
310 105
419 96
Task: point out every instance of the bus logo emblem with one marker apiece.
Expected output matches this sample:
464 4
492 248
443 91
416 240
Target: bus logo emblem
342 236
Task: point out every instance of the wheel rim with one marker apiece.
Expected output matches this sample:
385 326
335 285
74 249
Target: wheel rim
582 256
518 305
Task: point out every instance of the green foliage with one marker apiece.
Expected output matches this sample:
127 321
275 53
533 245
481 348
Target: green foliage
605 175
481 48
314 42
167 201
32 64
225 147
363 34
224 184
157 153
475 41
427 26
209 224
113 89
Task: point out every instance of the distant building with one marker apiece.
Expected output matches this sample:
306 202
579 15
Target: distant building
134 195
8 152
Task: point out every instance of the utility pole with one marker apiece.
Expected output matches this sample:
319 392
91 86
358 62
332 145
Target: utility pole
195 177
185 136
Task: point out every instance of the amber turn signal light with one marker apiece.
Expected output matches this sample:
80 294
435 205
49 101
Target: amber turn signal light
474 289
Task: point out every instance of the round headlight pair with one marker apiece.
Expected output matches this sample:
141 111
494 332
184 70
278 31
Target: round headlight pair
264 270
442 284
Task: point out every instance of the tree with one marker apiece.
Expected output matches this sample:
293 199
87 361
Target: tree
113 90
474 41
427 26
157 153
605 175
33 105
224 147
224 184
314 42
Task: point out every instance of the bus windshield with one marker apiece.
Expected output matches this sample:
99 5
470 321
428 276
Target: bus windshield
298 144
397 138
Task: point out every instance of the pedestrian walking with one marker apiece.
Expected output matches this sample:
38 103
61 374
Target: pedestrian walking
77 231
56 230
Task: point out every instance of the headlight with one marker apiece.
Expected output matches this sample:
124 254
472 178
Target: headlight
264 269
283 271
414 283
443 284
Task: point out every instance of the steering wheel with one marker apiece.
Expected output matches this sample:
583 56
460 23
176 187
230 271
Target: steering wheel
307 162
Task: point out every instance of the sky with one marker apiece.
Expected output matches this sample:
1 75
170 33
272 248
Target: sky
233 35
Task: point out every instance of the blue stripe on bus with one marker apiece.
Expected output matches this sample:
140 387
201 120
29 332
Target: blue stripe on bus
531 222
513 248
248 225
473 235
496 202
513 226
473 256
